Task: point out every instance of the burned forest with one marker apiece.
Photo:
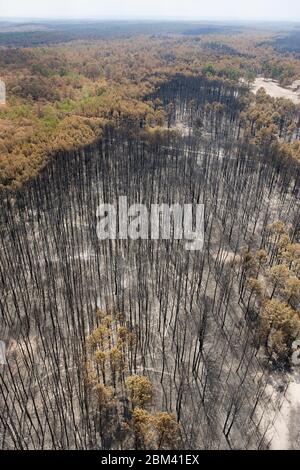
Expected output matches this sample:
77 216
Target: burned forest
141 343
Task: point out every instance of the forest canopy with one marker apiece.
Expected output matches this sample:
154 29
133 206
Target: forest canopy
138 342
63 89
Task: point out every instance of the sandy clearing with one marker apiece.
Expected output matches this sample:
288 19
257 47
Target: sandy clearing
287 422
275 90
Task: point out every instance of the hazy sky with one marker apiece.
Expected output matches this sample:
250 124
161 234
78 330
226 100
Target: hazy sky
193 9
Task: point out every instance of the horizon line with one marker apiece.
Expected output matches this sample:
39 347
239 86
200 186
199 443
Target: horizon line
151 18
